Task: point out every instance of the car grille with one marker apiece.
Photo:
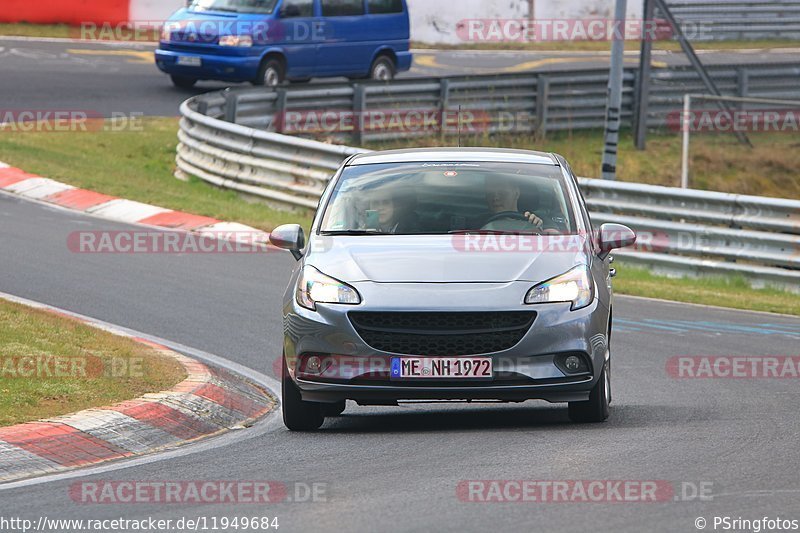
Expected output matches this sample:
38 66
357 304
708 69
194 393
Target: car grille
442 334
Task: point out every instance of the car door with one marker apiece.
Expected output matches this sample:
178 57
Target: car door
298 32
345 50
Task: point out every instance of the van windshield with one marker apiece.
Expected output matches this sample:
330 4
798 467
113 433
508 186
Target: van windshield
234 6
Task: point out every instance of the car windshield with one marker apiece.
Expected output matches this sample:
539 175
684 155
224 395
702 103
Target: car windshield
443 198
234 6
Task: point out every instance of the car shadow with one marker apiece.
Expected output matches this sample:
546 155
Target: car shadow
493 418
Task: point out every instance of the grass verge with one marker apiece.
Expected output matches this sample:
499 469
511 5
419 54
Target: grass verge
733 292
51 365
137 165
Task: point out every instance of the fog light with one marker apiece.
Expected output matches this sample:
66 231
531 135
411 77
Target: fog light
572 363
313 364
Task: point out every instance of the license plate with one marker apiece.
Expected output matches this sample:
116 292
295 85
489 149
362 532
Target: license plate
441 368
189 61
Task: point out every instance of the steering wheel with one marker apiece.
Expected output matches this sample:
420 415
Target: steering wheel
505 215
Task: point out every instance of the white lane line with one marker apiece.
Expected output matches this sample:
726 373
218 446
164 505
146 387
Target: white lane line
265 425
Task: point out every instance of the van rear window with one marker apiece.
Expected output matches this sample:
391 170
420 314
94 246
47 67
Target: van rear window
342 8
379 7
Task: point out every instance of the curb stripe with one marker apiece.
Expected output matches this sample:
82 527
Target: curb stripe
119 430
38 188
170 420
126 211
80 199
18 462
62 444
179 220
11 175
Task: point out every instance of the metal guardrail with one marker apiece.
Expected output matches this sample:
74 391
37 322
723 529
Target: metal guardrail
719 20
530 102
681 230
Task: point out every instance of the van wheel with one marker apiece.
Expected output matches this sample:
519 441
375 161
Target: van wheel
298 415
596 408
183 82
383 69
271 74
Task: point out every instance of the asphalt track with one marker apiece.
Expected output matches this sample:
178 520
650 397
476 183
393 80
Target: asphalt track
398 468
122 78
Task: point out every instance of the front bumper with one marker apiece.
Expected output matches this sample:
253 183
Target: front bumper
528 370
235 68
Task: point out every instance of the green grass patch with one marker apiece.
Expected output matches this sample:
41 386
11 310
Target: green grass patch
733 292
137 165
51 365
36 30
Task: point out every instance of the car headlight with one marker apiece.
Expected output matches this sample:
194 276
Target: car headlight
314 287
243 41
575 286
166 34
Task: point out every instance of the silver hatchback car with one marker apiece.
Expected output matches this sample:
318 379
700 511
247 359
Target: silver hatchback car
449 274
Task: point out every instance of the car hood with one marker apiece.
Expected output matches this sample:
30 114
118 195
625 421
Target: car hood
446 259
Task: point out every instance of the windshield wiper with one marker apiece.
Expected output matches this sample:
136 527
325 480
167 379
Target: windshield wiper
491 232
353 232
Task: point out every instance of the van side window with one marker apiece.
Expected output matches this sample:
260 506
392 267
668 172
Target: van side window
380 7
342 8
297 8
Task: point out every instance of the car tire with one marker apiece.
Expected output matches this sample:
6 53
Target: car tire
334 409
183 82
382 69
271 74
298 415
596 408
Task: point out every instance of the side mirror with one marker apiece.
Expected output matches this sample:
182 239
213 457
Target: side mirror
289 237
613 236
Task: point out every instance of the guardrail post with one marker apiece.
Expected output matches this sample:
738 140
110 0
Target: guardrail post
542 104
444 104
282 96
359 107
742 84
231 106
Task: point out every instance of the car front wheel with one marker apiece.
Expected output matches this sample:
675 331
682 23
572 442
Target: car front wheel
298 415
596 408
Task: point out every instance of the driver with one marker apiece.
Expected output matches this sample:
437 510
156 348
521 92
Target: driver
502 196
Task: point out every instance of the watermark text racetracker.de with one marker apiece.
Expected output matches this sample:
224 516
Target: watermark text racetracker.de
197 492
68 121
733 367
49 366
574 29
168 242
618 491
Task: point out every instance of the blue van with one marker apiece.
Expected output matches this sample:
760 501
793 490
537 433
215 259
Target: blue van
267 42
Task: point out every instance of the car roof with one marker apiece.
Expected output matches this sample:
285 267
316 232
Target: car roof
452 155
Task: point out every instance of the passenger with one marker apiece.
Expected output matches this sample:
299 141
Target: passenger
395 211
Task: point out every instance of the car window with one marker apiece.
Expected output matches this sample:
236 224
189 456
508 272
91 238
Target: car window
442 198
385 6
297 8
342 8
234 6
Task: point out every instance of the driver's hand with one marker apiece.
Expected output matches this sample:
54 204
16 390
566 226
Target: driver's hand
533 219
